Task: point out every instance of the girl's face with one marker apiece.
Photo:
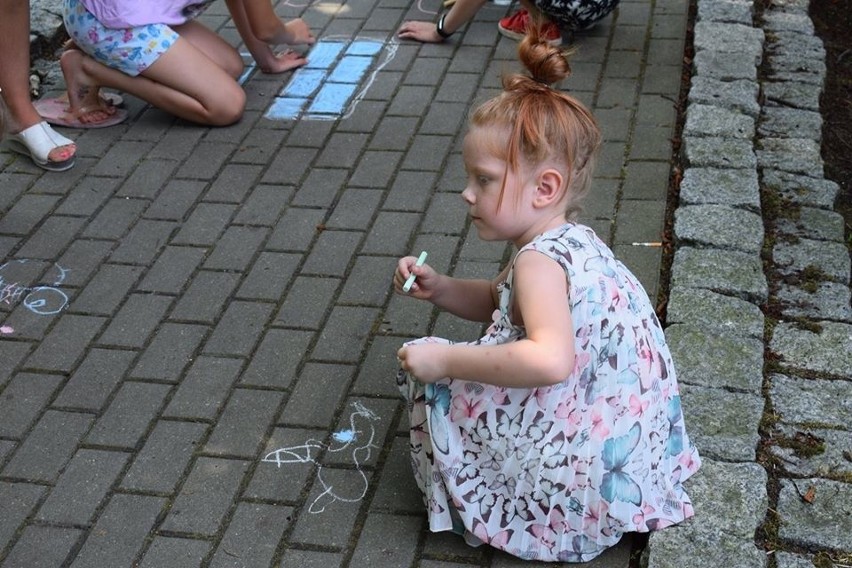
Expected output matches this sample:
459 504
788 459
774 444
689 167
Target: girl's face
485 173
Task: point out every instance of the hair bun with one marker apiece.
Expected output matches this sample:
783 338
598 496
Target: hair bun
547 64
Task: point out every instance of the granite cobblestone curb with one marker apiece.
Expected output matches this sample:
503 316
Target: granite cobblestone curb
791 426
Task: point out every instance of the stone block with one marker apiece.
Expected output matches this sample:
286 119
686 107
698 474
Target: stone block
710 120
830 258
719 153
806 401
824 522
793 155
739 95
722 424
696 357
736 188
720 227
826 301
731 273
743 40
714 312
801 190
780 122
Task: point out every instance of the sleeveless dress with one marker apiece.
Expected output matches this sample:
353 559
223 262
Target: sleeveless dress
560 473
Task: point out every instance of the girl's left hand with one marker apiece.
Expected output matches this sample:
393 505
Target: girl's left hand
424 361
281 62
298 33
427 32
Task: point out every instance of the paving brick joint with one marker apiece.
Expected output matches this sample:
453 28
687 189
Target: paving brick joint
198 334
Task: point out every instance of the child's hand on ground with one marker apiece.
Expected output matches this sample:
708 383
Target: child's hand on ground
426 32
281 62
425 283
424 361
297 32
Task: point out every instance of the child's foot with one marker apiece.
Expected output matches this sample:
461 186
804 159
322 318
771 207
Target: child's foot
516 26
284 61
85 103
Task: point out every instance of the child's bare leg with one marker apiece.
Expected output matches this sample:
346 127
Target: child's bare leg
213 46
83 91
183 81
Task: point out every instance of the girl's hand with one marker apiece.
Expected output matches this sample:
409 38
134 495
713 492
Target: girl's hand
425 283
426 32
424 361
298 33
281 62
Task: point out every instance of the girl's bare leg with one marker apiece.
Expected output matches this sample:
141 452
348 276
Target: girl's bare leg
14 72
192 84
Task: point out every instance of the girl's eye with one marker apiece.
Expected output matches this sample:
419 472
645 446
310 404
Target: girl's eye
483 180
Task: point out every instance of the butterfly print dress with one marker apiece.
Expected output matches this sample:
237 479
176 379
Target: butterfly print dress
560 473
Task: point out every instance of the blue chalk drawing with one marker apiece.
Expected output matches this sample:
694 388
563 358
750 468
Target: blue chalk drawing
41 300
337 76
358 439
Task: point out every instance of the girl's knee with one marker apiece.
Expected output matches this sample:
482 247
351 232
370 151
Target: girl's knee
229 109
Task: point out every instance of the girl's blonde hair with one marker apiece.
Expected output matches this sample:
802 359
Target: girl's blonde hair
544 123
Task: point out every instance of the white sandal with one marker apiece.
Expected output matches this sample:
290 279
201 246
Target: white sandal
37 142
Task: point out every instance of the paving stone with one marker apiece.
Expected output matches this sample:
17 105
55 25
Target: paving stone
387 540
203 390
22 400
205 297
296 229
236 248
810 401
241 429
390 233
826 349
736 188
742 40
335 494
823 522
331 253
730 12
120 531
11 355
81 488
172 270
252 535
830 258
828 300
787 560
793 94
355 209
794 155
801 190
65 344
51 237
345 333
176 200
269 276
730 502
289 170
276 360
369 281
642 180
239 329
206 496
307 302
812 223
87 197
264 205
95 379
395 491
149 176
136 321
205 160
707 120
722 424
317 395
47 448
168 353
144 242
160 463
42 547
723 67
716 152
810 451
727 272
714 312
107 289
311 559
286 465
321 188
376 375
27 213
777 122
17 501
719 226
233 183
166 551
129 415
115 219
692 351
205 224
796 68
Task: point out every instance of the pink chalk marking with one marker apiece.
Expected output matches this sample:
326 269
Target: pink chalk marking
7 329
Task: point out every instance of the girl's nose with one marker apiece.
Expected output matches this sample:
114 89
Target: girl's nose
467 195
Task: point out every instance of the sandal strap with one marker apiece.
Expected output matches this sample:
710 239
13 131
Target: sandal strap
41 139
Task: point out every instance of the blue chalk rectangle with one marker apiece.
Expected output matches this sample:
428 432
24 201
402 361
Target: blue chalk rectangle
332 98
304 83
351 69
364 47
324 54
284 108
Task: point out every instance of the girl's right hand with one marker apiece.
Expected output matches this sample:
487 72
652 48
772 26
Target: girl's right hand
298 33
425 282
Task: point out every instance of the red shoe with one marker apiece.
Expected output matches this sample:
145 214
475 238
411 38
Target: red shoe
515 27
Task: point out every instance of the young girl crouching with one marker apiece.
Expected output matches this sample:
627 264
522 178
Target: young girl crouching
561 429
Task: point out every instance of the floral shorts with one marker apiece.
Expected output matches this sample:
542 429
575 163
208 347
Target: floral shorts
130 50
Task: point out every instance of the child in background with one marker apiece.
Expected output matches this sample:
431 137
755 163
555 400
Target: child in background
561 429
158 52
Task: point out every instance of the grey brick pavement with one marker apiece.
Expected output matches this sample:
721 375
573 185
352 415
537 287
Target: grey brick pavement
229 297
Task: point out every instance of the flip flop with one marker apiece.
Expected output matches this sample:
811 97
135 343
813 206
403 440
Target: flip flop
57 112
36 142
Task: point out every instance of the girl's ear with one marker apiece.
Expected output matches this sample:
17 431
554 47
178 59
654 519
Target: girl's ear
549 187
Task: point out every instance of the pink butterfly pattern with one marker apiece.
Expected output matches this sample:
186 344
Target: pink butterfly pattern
560 473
